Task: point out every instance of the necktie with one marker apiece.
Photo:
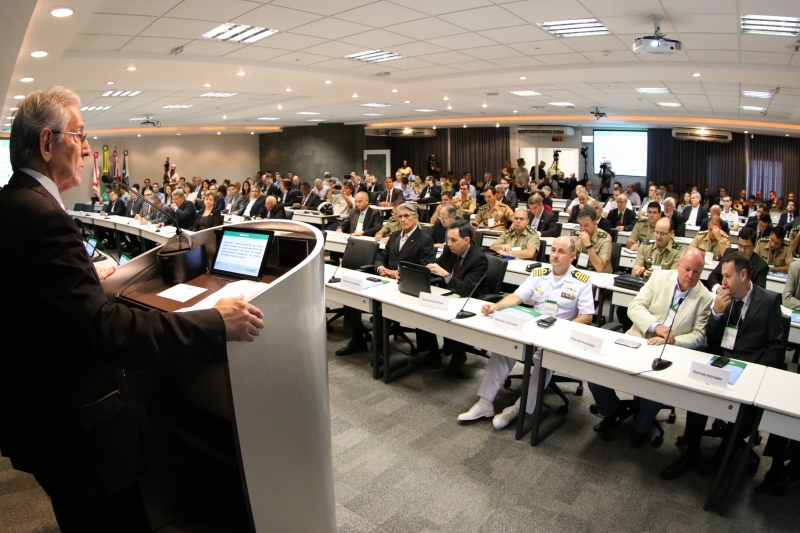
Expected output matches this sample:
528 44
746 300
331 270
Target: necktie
361 217
736 311
147 212
458 266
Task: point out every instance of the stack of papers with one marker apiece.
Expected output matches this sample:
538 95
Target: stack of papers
250 289
525 313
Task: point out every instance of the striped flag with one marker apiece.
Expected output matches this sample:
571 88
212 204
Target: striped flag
125 171
95 185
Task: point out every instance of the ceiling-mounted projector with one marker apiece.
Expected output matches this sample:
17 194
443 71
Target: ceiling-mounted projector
656 43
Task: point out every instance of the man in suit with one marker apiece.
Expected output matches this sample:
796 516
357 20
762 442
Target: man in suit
392 189
560 291
677 221
671 308
183 211
309 200
254 206
373 185
762 225
788 220
287 195
602 222
363 220
580 202
757 338
509 196
462 266
410 244
115 206
234 201
65 414
621 217
759 269
695 213
273 210
540 219
134 204
431 193
153 215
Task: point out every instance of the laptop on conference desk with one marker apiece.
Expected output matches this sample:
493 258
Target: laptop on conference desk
414 278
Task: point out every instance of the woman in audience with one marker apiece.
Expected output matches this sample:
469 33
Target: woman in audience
205 185
245 192
404 169
208 216
683 202
167 191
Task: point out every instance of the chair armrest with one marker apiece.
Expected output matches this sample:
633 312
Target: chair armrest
612 326
492 298
369 269
435 280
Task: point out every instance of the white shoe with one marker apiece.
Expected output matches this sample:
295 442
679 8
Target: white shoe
479 410
508 415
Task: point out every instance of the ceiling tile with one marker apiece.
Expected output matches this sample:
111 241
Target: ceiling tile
256 53
276 18
380 39
98 42
768 43
427 27
707 23
210 48
639 24
409 63
562 59
417 49
331 28
595 43
493 52
786 8
299 58
616 8
542 47
444 58
462 41
713 56
211 9
475 66
710 41
116 24
153 44
706 6
154 8
380 14
340 64
517 34
517 62
374 68
437 70
442 6
322 7
483 18
766 58
289 41
334 49
534 11
611 56
777 108
180 28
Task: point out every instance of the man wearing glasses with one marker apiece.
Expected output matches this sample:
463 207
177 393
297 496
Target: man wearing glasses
520 240
747 246
660 253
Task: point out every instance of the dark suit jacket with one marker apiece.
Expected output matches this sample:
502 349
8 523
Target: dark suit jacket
313 201
417 249
378 187
186 215
64 405
547 223
702 213
758 272
628 218
277 213
290 198
362 187
753 223
760 336
397 192
573 215
784 221
678 224
117 209
258 208
725 227
216 220
373 222
473 268
510 199
604 224
436 195
133 207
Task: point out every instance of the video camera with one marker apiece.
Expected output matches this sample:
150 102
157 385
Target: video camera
556 154
166 165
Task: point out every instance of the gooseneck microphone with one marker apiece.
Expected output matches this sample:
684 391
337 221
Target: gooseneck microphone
467 314
108 179
659 363
334 279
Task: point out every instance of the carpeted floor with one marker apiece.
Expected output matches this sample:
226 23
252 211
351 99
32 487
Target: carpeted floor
403 464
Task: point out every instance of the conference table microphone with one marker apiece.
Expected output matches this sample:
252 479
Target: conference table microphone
467 314
334 279
659 363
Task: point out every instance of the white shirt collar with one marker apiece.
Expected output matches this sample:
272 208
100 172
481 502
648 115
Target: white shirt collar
407 235
47 183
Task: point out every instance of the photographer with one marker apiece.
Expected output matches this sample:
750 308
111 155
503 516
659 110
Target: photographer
434 168
341 197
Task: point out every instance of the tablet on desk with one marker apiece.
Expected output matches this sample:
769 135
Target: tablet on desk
242 254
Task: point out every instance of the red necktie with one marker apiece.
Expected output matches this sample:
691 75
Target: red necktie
457 267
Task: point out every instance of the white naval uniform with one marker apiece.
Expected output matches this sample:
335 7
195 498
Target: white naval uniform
573 296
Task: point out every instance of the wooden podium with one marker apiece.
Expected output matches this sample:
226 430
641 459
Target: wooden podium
262 418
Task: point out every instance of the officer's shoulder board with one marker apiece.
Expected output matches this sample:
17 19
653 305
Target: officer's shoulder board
484 207
763 239
583 277
702 232
601 234
540 271
643 221
676 245
649 241
575 232
509 231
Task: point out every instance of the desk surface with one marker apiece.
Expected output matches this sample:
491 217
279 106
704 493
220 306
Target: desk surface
780 392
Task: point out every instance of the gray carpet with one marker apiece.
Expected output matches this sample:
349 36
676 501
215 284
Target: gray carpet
403 464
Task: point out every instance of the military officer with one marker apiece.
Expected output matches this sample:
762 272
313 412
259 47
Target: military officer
592 245
563 292
493 214
644 230
713 239
661 253
391 225
518 241
464 200
775 251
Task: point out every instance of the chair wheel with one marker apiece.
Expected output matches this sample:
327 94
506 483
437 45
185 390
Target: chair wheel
658 441
593 409
679 442
368 337
562 410
671 418
507 383
579 391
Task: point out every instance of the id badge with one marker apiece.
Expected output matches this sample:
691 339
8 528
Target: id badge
490 222
709 257
670 318
729 337
583 260
550 308
655 267
516 248
360 226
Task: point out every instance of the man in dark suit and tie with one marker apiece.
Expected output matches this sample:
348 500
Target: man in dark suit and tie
509 196
759 269
309 200
431 193
373 185
695 213
184 212
392 190
409 244
745 324
363 220
115 207
462 266
273 210
65 413
254 207
542 220
622 218
134 204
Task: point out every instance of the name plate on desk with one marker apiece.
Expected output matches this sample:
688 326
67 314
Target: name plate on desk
710 375
586 341
354 283
514 318
435 301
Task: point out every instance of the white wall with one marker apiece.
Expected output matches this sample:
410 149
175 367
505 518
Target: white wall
544 147
231 156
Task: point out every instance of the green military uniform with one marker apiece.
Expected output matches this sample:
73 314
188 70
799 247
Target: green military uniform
467 205
780 257
417 187
601 242
501 214
643 232
527 239
704 242
446 186
435 215
388 227
649 255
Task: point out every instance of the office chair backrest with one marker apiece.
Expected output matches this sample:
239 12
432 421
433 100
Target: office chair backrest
373 197
477 237
427 228
614 234
558 228
616 252
495 274
289 214
542 255
359 252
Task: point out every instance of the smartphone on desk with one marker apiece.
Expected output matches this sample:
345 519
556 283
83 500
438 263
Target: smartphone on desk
628 343
546 322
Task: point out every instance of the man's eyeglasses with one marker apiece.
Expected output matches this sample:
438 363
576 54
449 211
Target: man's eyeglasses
662 233
404 216
81 134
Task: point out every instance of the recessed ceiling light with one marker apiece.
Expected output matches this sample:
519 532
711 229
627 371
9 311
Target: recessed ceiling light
562 104
306 113
316 120
355 95
6 124
394 90
39 53
121 93
746 131
752 108
280 106
372 114
131 68
288 89
109 83
375 56
757 94
217 95
652 90
12 108
268 118
514 111
770 25
61 12
669 104
138 134
787 134
425 110
449 107
19 97
252 133
206 85
574 28
240 73
696 75
497 125
484 105
224 117
328 82
434 126
523 78
178 133
26 80
446 98
375 105
238 33
465 125
95 137
408 101
525 93
218 133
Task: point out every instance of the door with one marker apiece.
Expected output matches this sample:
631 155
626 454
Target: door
378 163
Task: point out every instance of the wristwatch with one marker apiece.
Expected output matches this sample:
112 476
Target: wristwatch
448 277
590 245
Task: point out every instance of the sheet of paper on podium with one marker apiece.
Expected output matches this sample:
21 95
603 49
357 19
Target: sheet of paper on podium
250 289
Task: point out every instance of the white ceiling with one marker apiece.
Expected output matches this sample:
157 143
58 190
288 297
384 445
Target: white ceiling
462 49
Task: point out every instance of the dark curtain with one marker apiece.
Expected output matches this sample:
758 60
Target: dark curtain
700 163
774 164
479 150
417 150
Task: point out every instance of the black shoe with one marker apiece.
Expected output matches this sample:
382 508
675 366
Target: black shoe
771 480
606 425
712 466
433 360
783 481
352 347
689 461
453 369
638 439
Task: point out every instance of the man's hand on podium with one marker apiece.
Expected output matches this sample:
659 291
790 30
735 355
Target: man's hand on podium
103 273
242 320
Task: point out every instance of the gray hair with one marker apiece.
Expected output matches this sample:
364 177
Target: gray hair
451 210
179 193
43 109
546 189
669 200
695 194
408 206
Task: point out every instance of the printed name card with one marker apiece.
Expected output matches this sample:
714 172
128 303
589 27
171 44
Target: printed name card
710 375
355 283
509 322
435 301
579 338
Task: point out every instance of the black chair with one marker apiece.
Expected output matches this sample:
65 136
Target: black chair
494 283
614 232
427 228
616 253
559 226
359 254
541 256
289 214
373 197
477 237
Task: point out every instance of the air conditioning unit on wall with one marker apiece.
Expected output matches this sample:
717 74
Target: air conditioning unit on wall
413 132
702 134
547 131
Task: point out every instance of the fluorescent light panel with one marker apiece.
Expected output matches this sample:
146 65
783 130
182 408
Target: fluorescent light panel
306 113
177 106
425 110
375 56
372 114
121 93
652 90
669 104
238 33
269 118
316 120
217 95
525 93
574 28
96 108
770 25
752 108
562 104
375 105
757 94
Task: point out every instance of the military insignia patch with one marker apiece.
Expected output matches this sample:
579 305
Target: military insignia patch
580 276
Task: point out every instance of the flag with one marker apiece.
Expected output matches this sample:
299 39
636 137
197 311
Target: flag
95 186
116 166
105 159
125 175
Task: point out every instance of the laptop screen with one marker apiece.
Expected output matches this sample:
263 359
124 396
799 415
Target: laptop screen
241 254
414 278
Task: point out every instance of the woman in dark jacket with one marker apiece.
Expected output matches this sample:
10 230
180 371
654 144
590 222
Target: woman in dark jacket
208 217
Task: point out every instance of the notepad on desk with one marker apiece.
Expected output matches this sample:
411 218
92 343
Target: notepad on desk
736 368
525 313
248 289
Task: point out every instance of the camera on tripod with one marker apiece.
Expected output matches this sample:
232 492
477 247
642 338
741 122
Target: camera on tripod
556 154
166 165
